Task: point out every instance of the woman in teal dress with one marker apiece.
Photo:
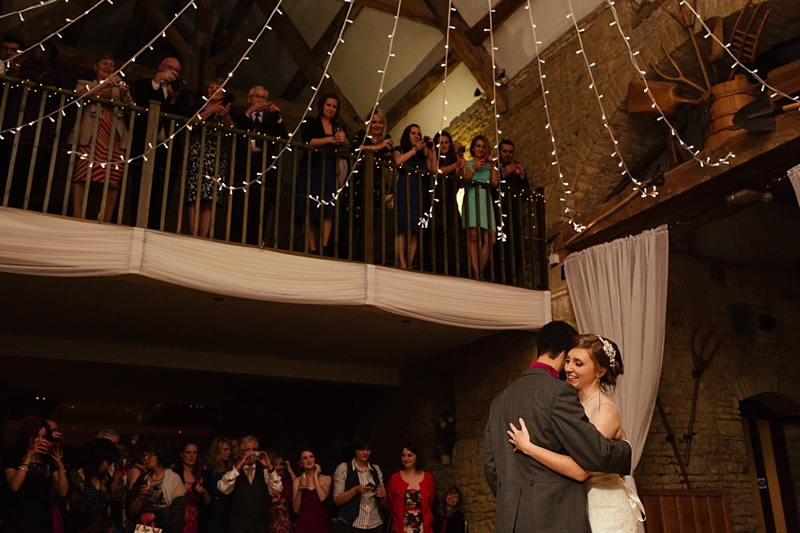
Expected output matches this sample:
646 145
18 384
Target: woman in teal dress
478 209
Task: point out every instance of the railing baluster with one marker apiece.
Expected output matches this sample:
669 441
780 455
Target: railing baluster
98 111
187 135
276 213
201 167
15 148
149 163
36 140
125 166
368 214
540 258
509 210
53 155
293 199
262 212
167 177
217 157
71 165
231 174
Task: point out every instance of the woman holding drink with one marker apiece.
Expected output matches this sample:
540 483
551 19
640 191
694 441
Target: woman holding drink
161 499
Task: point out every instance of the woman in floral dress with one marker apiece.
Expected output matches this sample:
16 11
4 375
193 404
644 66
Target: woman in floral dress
410 494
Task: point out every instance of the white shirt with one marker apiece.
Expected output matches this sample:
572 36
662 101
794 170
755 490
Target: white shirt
228 481
369 516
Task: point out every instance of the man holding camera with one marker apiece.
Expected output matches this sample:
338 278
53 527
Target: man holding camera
167 88
264 117
252 492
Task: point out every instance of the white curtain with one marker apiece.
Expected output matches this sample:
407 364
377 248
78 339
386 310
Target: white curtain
794 177
619 291
44 245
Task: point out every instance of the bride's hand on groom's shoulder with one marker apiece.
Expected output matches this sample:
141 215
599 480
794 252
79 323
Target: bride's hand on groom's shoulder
519 437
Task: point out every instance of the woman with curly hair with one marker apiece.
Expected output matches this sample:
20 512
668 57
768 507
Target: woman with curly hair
33 474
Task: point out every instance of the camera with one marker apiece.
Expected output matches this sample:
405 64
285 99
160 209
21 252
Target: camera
177 85
461 150
428 141
256 455
229 98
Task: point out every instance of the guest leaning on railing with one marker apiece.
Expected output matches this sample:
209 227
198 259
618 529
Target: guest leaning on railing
410 153
326 132
96 164
451 165
213 153
478 209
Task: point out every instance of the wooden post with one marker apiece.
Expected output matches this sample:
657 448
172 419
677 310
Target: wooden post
149 163
368 218
540 246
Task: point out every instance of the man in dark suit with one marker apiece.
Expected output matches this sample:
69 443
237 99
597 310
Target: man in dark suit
264 117
165 87
530 497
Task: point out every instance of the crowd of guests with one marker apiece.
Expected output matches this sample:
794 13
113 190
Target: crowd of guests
126 486
101 139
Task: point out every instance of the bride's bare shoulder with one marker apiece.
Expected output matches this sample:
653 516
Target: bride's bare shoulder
607 419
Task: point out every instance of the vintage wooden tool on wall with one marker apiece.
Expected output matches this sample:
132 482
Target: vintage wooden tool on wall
718 102
701 363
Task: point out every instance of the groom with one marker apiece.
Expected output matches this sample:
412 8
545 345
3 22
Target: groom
530 497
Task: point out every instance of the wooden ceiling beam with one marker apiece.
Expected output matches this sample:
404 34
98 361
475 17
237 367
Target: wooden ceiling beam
296 45
690 191
173 35
415 10
423 88
49 20
502 11
228 34
320 50
476 58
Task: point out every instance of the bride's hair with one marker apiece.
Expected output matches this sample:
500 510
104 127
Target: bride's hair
605 354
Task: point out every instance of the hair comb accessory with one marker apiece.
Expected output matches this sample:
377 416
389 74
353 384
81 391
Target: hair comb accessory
611 353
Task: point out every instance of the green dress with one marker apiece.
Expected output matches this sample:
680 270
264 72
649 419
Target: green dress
478 203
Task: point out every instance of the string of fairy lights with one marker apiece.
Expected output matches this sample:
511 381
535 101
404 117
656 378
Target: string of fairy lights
501 234
604 117
315 89
360 153
221 89
27 9
426 218
565 191
69 23
79 100
736 62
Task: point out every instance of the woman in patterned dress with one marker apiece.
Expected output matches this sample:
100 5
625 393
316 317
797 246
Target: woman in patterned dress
91 489
96 165
215 113
410 494
279 519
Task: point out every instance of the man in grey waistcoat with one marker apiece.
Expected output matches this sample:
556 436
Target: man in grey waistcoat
250 483
531 498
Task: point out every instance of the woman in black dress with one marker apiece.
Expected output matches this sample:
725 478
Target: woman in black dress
34 474
317 178
410 153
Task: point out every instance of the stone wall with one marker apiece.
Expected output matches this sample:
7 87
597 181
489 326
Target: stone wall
745 365
584 147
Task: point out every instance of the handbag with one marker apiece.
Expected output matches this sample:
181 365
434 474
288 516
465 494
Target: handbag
144 528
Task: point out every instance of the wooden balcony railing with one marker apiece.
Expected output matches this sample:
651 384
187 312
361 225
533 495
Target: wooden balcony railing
43 155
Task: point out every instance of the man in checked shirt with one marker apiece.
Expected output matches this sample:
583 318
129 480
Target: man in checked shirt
358 491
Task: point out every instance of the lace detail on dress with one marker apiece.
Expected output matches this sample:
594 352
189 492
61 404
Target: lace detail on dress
609 506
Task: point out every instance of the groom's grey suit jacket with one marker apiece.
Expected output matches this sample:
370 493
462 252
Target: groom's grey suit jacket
530 497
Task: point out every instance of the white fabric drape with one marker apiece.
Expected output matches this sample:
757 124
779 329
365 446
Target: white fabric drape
619 291
794 177
44 245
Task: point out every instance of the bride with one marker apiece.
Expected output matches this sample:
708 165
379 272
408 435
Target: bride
592 365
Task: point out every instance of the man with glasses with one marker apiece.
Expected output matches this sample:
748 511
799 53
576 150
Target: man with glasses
251 483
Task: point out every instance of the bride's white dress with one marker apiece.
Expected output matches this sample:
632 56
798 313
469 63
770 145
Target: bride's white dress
611 505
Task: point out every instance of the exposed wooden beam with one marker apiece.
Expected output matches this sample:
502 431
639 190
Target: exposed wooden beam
173 34
502 11
476 58
76 57
320 50
691 191
228 34
422 89
130 42
415 10
50 19
234 51
199 71
294 42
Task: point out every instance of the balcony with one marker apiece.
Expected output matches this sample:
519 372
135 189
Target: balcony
136 275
